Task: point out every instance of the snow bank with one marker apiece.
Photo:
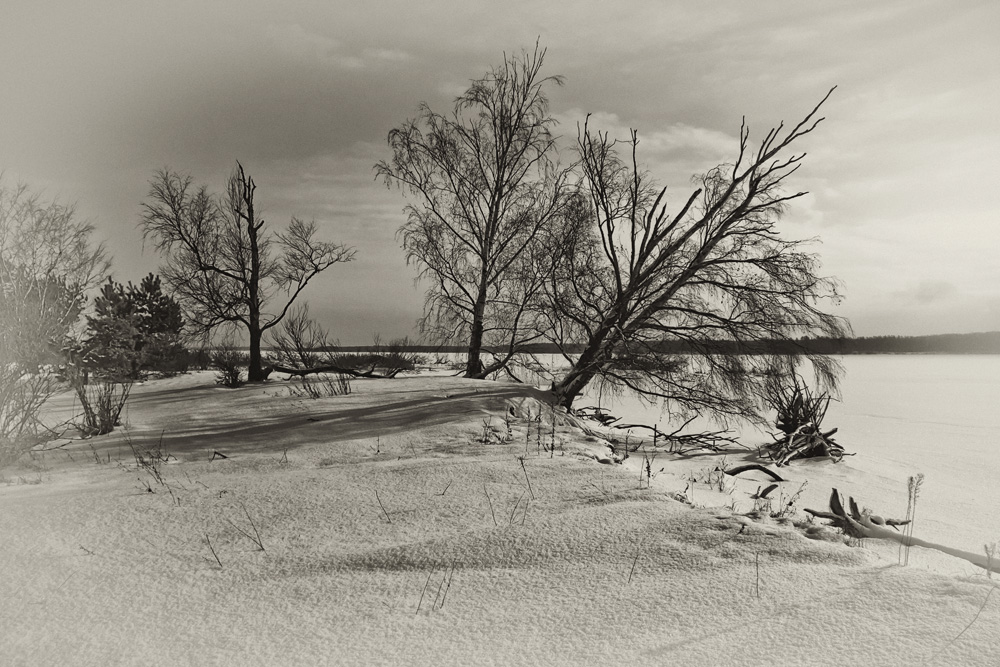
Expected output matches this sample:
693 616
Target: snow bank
392 535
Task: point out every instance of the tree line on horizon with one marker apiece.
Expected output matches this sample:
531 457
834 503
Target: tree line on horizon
523 243
964 343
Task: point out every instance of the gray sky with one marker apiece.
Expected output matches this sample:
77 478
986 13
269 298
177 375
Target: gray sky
95 96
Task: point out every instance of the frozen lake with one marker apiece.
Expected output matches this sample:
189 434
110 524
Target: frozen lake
902 415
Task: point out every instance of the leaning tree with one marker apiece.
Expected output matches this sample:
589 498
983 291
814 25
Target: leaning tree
485 184
223 264
680 307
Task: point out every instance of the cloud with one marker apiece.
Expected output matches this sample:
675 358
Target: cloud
307 46
673 153
932 291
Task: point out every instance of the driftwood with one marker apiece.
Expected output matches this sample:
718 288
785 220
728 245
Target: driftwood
807 441
863 525
800 414
329 368
597 414
765 492
852 523
755 466
679 443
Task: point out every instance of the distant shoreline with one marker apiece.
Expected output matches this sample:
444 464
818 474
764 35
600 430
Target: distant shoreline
972 343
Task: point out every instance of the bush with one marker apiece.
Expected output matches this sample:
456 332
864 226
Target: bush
321 387
102 402
384 359
230 363
47 264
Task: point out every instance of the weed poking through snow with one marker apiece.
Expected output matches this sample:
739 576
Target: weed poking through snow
212 549
647 468
525 469
959 635
991 556
913 488
490 501
634 561
442 590
387 518
255 538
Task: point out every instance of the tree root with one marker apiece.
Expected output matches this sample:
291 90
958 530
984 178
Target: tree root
807 441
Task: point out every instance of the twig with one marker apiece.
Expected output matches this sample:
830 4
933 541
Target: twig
599 489
510 522
212 549
424 591
255 538
260 542
521 459
451 574
757 566
382 506
490 501
959 635
634 561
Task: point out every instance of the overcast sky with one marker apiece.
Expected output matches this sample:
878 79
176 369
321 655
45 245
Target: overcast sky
903 175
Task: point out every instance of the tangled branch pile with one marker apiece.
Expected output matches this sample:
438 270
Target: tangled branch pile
675 441
800 416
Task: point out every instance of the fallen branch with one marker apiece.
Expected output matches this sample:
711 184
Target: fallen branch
597 414
755 466
864 525
302 372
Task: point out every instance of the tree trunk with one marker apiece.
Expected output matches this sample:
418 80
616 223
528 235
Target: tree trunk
255 373
586 367
569 387
474 364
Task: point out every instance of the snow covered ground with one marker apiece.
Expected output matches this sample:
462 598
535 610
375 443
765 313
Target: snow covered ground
390 534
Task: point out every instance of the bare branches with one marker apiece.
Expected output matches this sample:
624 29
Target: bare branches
485 187
656 284
47 263
47 241
219 255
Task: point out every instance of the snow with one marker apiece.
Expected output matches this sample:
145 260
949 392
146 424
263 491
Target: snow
393 536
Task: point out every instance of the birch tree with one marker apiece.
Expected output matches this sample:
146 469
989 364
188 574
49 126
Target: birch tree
484 184
714 278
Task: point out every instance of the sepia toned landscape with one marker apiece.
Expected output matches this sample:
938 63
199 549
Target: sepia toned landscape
418 335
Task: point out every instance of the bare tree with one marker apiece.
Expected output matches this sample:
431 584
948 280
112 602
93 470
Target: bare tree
220 259
47 264
485 184
301 342
679 308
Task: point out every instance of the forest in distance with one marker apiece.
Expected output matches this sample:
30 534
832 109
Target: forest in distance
969 343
